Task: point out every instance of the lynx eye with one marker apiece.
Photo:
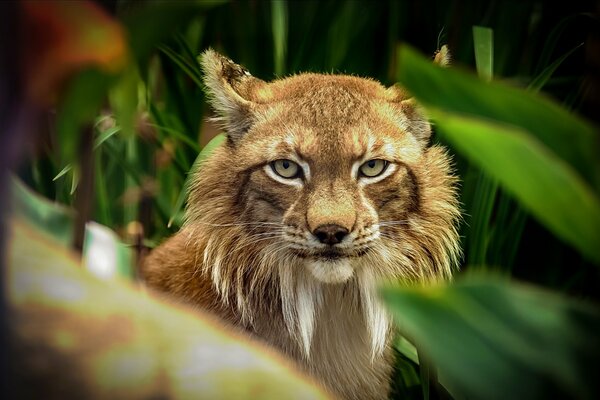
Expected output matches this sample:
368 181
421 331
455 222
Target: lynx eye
373 168
286 169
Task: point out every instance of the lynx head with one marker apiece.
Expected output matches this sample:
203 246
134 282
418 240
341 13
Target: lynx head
324 180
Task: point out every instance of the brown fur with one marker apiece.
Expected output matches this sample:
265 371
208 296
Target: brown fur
246 250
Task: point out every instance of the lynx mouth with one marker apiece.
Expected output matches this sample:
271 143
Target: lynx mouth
331 254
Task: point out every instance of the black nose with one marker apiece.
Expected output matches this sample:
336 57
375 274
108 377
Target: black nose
330 233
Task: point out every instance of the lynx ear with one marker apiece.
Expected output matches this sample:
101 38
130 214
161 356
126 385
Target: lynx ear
415 119
232 91
442 57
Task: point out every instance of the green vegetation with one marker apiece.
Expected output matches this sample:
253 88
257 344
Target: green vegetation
129 128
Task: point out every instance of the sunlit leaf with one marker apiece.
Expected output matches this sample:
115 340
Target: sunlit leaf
487 187
548 187
452 90
111 340
494 339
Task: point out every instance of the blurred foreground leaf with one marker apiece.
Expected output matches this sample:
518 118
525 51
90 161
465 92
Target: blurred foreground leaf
103 252
52 218
65 37
494 339
451 90
548 187
74 336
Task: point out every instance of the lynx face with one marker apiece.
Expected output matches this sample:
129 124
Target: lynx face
336 185
326 182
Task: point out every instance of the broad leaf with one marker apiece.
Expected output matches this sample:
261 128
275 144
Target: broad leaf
548 187
450 89
494 339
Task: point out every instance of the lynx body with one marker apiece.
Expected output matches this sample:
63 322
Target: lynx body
326 186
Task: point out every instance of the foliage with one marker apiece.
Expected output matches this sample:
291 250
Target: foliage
529 165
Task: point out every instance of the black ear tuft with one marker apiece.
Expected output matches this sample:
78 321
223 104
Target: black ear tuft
230 89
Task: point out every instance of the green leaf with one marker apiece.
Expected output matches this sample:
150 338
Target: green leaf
52 218
548 187
206 151
104 136
449 89
494 339
279 25
63 172
486 189
483 39
123 98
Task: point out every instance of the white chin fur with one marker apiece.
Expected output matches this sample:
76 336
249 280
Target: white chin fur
334 271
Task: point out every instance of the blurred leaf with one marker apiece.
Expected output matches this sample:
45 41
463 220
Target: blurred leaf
112 340
80 105
63 172
486 188
104 136
64 37
494 339
449 89
342 31
151 23
483 39
75 175
425 378
104 255
549 188
279 25
123 98
407 349
206 151
54 219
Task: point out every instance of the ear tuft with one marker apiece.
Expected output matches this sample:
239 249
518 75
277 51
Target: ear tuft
443 57
230 90
418 124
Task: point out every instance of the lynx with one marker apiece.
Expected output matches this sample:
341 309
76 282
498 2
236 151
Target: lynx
326 186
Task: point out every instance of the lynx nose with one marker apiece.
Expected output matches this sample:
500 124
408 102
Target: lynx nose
330 234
